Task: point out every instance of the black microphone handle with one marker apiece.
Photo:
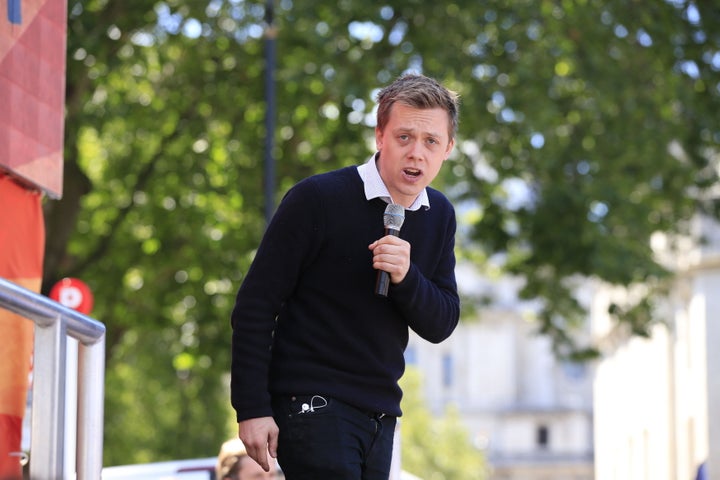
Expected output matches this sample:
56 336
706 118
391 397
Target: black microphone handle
383 278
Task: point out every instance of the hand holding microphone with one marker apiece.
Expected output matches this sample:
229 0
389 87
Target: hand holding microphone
393 219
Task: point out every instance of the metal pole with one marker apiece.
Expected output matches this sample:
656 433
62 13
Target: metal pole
91 368
269 178
48 402
71 405
53 324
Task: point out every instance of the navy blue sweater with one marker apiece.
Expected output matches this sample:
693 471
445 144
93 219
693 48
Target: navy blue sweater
306 319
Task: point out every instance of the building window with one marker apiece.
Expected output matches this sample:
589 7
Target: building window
575 371
447 370
543 437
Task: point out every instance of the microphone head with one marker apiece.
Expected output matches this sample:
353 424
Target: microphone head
394 216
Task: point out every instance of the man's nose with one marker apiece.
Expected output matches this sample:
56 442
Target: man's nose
415 150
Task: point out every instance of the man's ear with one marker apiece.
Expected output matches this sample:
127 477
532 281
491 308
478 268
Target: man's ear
378 139
449 149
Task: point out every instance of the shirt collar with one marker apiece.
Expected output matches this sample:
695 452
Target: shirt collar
375 187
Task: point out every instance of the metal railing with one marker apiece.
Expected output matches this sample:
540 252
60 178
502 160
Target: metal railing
54 323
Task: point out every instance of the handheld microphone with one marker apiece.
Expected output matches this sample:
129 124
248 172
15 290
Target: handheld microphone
393 219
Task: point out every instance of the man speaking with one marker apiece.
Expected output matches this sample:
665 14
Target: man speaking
317 351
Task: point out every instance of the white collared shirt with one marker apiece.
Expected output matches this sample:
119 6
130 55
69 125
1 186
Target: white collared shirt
375 187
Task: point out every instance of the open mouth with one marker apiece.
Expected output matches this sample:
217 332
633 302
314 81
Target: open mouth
412 172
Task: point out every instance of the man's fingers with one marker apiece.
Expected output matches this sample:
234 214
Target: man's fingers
257 453
392 255
262 460
273 443
260 437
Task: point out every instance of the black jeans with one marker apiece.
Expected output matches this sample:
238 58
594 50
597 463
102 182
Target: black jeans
324 439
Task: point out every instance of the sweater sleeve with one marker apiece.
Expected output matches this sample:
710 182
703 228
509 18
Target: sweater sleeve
289 242
431 303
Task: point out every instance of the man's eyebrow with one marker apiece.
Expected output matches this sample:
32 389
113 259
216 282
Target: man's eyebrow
416 131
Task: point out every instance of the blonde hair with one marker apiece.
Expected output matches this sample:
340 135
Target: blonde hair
228 461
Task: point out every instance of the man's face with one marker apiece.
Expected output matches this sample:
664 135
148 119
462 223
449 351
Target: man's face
413 146
250 470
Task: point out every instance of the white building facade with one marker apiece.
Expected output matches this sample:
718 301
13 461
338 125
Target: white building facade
649 409
657 400
529 414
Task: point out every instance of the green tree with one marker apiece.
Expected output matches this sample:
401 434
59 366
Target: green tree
604 113
435 447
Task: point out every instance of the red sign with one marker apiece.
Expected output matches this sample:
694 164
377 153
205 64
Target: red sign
73 293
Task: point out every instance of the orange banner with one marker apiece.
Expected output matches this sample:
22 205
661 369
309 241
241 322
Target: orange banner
22 243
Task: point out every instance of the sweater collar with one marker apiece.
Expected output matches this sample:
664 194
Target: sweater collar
375 187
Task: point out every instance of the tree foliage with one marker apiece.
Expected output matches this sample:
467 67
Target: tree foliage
586 126
435 447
